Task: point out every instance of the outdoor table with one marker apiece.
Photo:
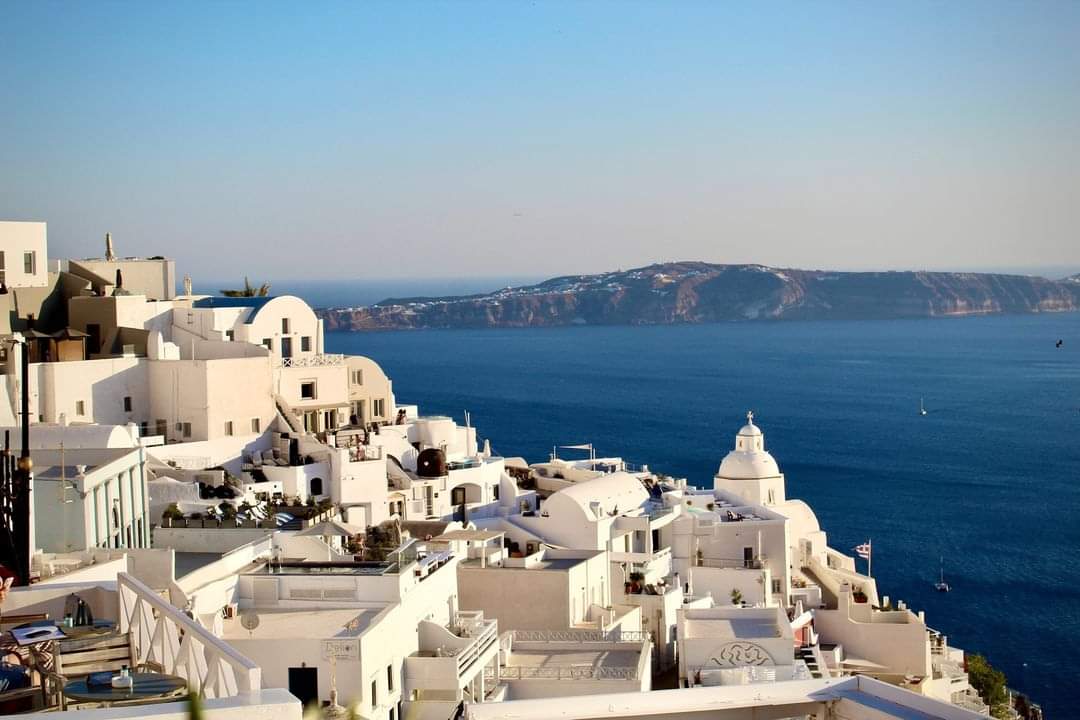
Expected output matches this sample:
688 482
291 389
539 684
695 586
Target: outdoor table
145 687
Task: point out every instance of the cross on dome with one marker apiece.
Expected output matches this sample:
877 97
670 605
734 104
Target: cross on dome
750 417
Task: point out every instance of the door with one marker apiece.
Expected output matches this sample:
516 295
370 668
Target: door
457 496
286 347
304 684
429 500
748 557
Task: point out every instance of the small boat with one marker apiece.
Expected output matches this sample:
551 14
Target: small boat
922 408
941 585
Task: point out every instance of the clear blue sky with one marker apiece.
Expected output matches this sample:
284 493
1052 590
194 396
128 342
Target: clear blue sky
401 139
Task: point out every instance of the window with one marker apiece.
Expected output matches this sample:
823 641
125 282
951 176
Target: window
228 427
30 262
374 692
776 587
284 326
191 318
357 377
390 678
256 425
187 429
80 407
378 407
230 335
307 390
3 274
268 343
127 403
305 344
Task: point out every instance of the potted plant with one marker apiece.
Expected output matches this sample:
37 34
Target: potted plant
636 578
228 512
736 597
170 514
858 595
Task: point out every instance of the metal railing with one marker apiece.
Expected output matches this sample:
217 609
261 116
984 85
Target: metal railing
580 636
304 361
756 563
562 672
163 634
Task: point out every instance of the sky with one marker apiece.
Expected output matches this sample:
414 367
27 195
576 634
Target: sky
370 140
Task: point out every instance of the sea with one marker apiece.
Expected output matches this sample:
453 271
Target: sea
986 485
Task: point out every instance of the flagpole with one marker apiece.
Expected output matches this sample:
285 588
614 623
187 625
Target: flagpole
869 556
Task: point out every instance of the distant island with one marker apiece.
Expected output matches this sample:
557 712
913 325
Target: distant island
698 292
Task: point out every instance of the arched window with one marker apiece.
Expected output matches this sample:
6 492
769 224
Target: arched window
316 486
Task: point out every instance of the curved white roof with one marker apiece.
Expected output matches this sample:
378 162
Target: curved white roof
750 430
614 493
739 465
803 520
749 460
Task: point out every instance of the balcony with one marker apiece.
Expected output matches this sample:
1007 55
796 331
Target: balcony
449 658
576 655
163 634
309 361
754 563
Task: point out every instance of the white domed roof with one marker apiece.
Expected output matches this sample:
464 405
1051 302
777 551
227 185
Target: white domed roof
739 465
750 430
749 460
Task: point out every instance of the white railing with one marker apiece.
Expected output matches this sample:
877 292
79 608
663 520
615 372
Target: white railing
580 636
163 634
485 633
305 361
563 672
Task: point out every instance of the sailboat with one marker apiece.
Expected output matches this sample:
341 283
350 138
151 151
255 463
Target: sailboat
941 585
922 408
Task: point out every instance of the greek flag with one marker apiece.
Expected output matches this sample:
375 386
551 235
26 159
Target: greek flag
863 550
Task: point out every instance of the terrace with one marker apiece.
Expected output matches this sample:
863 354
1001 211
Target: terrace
592 661
162 635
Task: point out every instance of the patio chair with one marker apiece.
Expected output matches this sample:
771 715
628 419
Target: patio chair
75 659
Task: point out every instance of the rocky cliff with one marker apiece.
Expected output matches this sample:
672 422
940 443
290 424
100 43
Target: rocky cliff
696 292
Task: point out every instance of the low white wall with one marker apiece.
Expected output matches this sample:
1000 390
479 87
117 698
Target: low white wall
50 598
271 704
206 540
154 567
752 584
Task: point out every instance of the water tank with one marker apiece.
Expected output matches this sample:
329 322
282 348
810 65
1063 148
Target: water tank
431 463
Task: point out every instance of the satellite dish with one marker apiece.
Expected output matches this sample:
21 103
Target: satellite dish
249 619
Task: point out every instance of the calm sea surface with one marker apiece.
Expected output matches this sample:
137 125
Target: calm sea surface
989 479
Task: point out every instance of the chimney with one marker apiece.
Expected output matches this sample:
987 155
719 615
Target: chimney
187 285
119 279
109 254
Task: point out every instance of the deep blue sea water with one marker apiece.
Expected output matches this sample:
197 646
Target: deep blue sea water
989 479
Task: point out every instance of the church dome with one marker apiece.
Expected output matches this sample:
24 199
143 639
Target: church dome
749 460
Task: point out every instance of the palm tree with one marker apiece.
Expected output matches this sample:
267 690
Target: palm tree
249 290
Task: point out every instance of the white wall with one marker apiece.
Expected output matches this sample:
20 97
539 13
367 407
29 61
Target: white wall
17 238
101 385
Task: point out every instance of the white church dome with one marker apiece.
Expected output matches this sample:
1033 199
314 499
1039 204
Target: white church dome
749 460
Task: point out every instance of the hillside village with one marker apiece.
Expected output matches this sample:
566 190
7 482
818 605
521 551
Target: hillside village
264 520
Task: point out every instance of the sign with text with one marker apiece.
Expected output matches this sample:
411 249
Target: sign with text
341 649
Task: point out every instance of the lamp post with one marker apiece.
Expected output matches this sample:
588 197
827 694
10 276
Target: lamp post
22 478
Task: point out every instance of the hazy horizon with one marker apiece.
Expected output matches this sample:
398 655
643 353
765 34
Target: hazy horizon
508 139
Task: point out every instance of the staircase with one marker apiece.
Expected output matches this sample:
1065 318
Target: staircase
812 660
